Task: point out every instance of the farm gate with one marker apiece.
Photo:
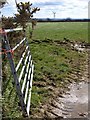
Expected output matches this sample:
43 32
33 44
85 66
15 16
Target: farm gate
22 71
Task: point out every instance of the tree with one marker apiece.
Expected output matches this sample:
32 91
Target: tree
2 3
8 23
25 13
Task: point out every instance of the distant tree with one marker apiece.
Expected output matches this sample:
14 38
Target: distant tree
48 19
68 19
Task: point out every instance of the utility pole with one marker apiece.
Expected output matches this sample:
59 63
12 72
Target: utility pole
54 14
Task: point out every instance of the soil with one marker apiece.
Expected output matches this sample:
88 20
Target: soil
72 101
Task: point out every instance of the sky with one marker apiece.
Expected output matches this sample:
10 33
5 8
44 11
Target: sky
62 8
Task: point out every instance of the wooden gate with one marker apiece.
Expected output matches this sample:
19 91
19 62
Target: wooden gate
25 66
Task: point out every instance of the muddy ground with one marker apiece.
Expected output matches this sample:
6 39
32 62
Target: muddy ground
72 101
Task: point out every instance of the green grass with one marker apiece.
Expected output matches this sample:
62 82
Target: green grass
10 99
53 63
75 31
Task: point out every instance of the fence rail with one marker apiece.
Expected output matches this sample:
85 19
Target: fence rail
23 81
12 30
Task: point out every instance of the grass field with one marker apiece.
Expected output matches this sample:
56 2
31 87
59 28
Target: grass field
54 60
59 30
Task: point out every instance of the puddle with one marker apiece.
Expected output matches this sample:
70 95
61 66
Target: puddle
78 47
74 103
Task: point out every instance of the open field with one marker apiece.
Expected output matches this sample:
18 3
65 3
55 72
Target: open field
77 31
55 59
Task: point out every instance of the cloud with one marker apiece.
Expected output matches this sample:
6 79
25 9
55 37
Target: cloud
63 8
49 3
75 8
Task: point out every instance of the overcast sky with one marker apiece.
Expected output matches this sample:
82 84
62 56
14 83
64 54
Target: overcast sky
63 8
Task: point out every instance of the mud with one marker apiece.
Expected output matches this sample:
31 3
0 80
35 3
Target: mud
71 101
74 103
